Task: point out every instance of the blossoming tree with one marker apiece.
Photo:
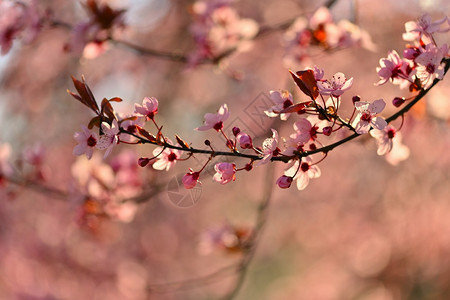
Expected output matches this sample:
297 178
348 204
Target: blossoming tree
124 149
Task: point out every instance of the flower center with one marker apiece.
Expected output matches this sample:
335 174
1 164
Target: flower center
91 141
218 126
366 117
391 133
304 167
430 68
172 157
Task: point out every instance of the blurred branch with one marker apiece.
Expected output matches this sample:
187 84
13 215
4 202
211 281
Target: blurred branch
184 58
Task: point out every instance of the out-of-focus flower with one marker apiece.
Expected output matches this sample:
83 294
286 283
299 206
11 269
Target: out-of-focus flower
304 173
87 141
384 139
284 181
336 86
110 137
399 151
148 109
190 179
321 31
90 37
424 27
17 19
35 154
217 28
225 172
226 237
166 158
215 121
270 148
366 116
282 99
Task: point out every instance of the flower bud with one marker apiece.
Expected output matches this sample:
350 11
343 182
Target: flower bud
327 130
244 140
190 179
356 99
284 181
236 131
143 161
397 102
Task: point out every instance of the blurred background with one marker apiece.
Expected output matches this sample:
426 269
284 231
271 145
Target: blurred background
364 230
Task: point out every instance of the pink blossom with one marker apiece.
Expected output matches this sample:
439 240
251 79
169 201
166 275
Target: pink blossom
166 158
305 131
399 151
225 172
384 139
148 109
366 116
336 86
304 173
244 140
190 179
416 30
86 140
429 65
35 154
282 100
270 148
284 181
393 68
215 121
110 137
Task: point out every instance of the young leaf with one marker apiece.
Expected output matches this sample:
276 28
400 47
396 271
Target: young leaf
85 95
181 142
296 108
306 81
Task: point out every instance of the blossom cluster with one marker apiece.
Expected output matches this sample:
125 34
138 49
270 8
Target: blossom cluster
422 59
18 19
217 28
318 118
320 30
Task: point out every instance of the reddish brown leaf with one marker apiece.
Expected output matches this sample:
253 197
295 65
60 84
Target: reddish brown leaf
181 142
115 99
306 81
85 95
146 134
107 109
95 121
296 108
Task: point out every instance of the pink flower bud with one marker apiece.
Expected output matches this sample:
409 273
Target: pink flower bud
236 131
327 130
143 161
397 101
190 179
284 181
411 53
244 140
225 172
